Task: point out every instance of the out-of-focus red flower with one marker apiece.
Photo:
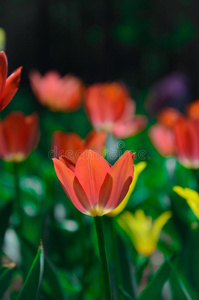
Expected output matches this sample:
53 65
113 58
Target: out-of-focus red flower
8 86
162 139
168 116
57 93
186 132
193 110
19 135
161 134
109 108
93 186
71 145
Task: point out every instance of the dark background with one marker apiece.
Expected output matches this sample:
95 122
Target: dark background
136 41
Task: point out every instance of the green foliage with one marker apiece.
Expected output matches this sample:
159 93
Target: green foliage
31 286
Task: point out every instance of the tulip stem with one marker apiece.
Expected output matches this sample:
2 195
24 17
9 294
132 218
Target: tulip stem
103 257
17 204
115 257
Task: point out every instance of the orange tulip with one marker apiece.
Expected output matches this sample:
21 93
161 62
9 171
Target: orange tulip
110 109
186 132
161 134
193 110
56 92
93 186
19 135
71 145
8 86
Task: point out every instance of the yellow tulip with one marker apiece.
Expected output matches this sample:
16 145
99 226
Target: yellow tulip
191 196
143 232
2 39
138 168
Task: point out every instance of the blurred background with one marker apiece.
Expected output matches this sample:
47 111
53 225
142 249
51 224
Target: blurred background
153 47
136 41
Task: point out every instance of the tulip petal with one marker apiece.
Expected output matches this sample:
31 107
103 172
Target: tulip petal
162 139
14 129
123 129
105 103
66 179
159 223
3 72
32 132
91 169
81 195
96 141
122 174
105 190
67 144
138 168
11 87
186 134
69 163
3 143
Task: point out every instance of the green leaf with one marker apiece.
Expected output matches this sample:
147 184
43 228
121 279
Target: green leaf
179 286
154 288
4 217
5 277
52 280
31 286
50 273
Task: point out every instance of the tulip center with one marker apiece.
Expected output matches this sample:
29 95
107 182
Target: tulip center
97 211
15 157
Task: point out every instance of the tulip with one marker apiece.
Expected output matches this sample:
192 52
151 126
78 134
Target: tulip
8 86
186 132
57 93
19 135
93 186
191 196
138 168
143 232
193 110
110 109
71 145
161 134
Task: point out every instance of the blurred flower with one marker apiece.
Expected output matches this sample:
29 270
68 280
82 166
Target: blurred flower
193 110
57 93
19 135
138 168
2 39
169 91
191 196
161 134
8 86
143 232
93 186
110 109
71 145
186 133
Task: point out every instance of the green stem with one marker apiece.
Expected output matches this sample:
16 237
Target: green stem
115 258
17 204
103 257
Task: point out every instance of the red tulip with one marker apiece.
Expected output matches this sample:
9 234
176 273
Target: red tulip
56 92
186 132
8 86
161 134
162 139
71 145
110 109
19 135
93 186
